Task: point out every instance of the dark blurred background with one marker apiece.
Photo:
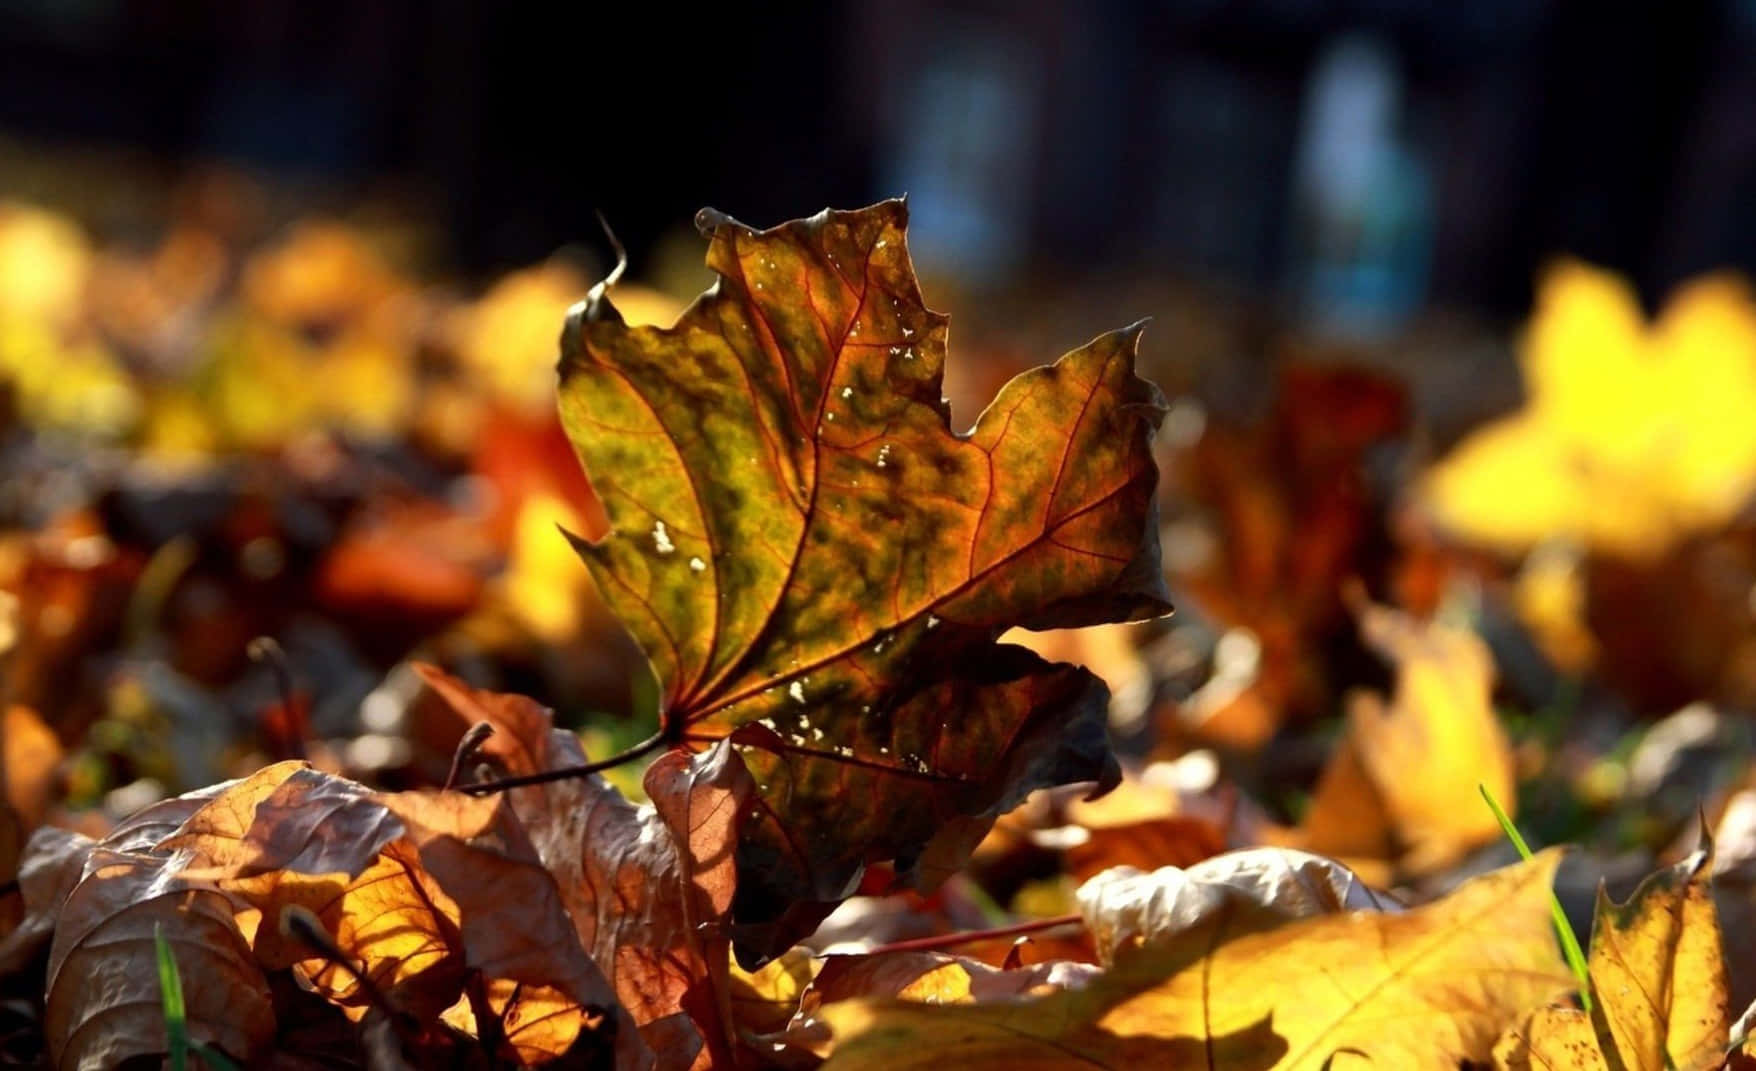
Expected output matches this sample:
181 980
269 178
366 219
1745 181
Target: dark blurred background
1362 160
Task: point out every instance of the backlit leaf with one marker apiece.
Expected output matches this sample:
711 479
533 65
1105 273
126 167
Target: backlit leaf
1633 434
818 567
1658 983
647 888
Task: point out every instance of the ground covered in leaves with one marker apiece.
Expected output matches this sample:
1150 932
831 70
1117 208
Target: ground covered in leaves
375 697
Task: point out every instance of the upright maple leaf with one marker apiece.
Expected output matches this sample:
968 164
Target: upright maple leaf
818 567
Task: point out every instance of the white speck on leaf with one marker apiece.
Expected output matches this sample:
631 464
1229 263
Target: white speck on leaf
661 538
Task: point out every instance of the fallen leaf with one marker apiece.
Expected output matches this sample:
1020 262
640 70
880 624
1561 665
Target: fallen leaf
421 890
1403 788
51 865
1658 985
817 567
1631 437
647 888
1137 825
764 1000
1245 988
102 1003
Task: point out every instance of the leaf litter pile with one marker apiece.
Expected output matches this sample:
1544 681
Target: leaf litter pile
915 764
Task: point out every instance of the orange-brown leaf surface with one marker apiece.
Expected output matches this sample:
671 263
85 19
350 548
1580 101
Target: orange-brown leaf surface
818 567
647 888
1240 987
420 890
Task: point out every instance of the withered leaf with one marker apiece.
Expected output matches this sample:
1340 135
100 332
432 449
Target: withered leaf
1658 984
421 890
103 1004
1240 987
818 567
647 888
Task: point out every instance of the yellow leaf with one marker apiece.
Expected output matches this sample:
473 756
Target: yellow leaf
1658 979
1633 435
1403 787
544 585
44 263
764 1000
1243 989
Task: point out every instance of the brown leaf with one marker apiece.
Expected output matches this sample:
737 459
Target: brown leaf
421 890
647 889
103 1003
818 568
51 865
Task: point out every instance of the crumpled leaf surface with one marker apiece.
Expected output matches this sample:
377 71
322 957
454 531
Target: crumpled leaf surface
1242 988
103 1004
1658 982
420 890
814 562
646 887
1402 792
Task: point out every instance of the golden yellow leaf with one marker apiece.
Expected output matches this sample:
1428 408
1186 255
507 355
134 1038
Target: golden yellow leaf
1403 787
764 1000
44 262
1242 989
1658 980
1633 435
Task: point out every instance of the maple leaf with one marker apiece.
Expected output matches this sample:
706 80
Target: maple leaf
1633 435
1658 985
818 568
1204 968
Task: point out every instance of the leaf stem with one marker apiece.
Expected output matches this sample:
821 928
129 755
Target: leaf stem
1563 928
655 742
952 940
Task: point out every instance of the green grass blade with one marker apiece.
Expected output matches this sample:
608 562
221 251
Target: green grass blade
171 996
216 1059
1563 929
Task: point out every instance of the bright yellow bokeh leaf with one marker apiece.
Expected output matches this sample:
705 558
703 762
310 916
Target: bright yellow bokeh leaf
1634 433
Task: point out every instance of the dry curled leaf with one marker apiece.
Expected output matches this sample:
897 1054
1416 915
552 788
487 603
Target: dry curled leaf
103 1004
422 891
1241 988
818 567
647 888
